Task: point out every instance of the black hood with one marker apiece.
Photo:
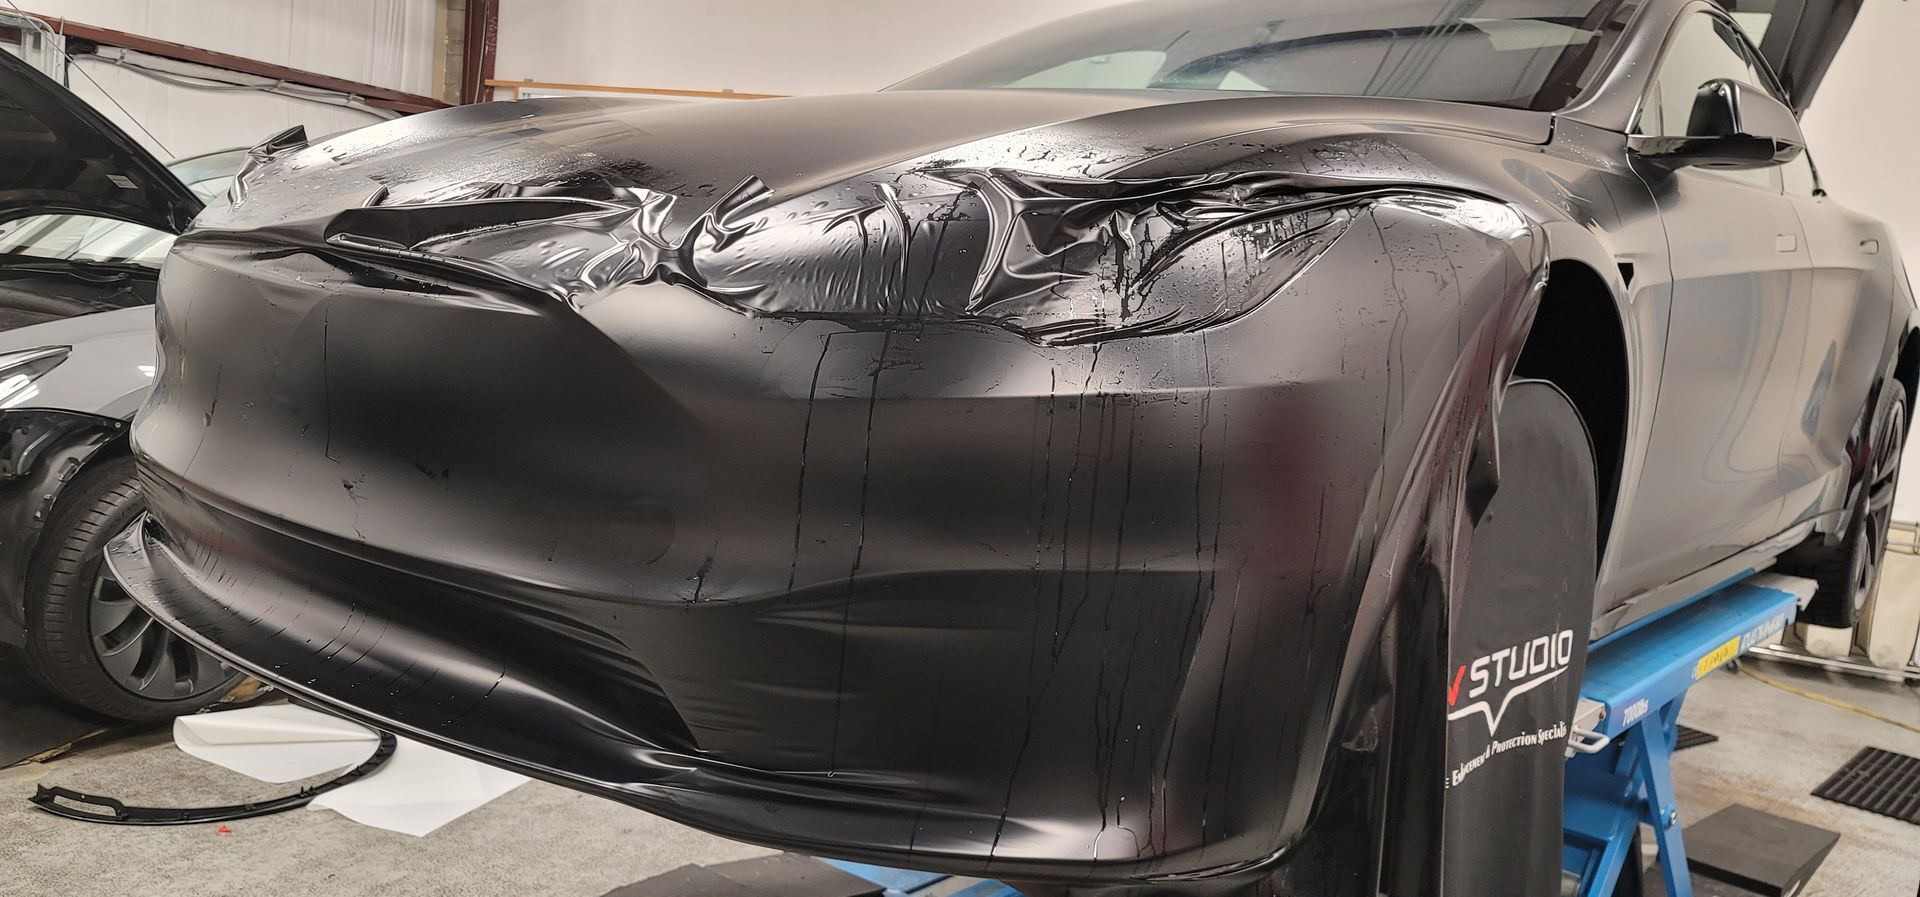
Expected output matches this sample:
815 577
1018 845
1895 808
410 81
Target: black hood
698 153
930 205
62 156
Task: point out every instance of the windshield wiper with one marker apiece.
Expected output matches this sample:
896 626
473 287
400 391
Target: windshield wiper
86 268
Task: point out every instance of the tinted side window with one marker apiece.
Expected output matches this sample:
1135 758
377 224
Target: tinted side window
1701 49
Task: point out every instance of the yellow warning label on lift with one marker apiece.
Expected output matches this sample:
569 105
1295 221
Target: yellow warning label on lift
1714 658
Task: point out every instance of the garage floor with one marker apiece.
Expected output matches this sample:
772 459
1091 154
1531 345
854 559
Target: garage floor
1775 748
544 840
537 839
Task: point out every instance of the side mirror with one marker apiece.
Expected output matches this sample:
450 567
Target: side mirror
1732 125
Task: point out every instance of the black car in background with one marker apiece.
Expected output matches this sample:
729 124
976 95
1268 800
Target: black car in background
86 217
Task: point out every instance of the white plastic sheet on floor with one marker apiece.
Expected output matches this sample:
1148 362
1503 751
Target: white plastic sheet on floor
416 791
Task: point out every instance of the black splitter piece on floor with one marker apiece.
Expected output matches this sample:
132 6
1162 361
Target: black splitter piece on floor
117 813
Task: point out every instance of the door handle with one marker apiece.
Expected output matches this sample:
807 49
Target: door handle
1785 242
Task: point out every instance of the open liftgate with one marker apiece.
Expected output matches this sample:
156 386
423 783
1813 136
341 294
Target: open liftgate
1623 736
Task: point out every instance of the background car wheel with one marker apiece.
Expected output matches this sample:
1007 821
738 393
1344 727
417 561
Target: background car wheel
87 640
1849 571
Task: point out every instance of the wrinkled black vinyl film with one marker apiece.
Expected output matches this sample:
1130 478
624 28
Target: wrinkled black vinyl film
990 493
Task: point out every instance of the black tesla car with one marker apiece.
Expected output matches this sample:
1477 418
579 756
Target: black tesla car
86 216
1185 448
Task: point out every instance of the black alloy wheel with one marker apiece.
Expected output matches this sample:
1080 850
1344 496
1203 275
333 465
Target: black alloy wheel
87 640
1869 553
1848 571
140 655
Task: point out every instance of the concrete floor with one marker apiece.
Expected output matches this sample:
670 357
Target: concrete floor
538 839
1775 748
543 840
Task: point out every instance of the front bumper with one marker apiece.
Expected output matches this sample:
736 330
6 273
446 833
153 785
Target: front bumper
934 721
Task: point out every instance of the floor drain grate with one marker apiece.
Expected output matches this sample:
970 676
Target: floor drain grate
1879 782
1691 737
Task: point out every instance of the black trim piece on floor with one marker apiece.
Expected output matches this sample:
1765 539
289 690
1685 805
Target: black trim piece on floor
49 799
1877 781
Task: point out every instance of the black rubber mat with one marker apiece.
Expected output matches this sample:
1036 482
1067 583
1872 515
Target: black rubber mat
1690 737
1756 851
1877 781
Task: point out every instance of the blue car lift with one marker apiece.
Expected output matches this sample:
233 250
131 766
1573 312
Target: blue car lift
907 883
1619 773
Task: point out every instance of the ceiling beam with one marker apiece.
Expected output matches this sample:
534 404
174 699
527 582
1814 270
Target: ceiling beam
371 94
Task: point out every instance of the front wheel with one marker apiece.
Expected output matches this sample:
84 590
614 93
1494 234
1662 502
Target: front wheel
1848 571
87 641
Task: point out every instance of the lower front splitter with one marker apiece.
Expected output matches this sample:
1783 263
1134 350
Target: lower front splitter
424 653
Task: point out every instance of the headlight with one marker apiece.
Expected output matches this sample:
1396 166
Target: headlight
1074 260
19 370
1058 260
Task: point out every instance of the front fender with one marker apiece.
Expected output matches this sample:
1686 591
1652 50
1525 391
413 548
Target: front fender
40 452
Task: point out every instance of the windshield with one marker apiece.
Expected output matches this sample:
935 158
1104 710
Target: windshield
91 238
1529 54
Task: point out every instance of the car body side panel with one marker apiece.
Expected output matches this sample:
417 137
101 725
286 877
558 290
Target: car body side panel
1824 290
1736 336
1857 314
109 371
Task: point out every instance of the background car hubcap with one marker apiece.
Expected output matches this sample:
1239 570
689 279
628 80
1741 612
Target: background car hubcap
141 655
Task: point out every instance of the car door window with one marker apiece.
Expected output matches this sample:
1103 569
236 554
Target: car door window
1702 48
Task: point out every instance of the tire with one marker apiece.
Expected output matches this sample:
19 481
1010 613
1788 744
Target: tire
1848 571
1517 650
87 641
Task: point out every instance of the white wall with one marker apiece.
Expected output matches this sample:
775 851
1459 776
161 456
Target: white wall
383 42
752 46
389 43
1864 126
